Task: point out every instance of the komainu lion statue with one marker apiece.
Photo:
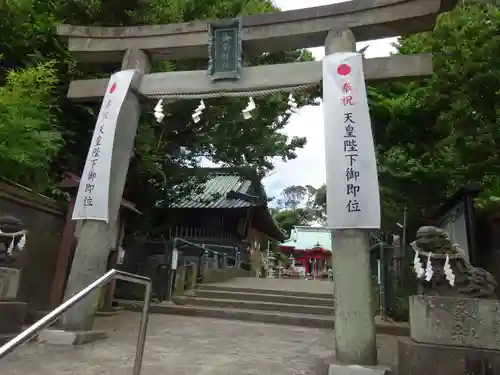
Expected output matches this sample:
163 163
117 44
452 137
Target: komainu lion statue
442 268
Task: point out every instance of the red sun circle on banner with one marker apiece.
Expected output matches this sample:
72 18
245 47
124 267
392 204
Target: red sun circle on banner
112 88
343 69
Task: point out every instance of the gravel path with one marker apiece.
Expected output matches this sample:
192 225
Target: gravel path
180 345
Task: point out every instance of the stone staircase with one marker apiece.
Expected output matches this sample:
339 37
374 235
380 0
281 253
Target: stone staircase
260 305
263 300
257 305
287 307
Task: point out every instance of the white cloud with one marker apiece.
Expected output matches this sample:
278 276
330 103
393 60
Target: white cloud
309 166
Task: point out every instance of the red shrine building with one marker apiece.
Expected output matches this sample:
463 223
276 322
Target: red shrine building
311 247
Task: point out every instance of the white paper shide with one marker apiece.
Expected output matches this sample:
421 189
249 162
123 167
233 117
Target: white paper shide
351 168
93 192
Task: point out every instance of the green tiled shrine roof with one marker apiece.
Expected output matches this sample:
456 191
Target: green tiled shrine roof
229 189
305 238
214 194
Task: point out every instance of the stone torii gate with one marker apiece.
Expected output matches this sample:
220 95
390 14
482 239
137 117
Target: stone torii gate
337 27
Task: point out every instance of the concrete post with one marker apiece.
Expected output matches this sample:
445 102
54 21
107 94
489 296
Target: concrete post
96 237
180 280
191 275
215 261
205 264
355 341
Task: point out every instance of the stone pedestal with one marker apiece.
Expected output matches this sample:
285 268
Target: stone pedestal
463 322
69 338
9 283
451 336
419 359
337 369
12 316
12 312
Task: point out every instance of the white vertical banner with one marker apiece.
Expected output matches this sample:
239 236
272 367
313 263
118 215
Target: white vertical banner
353 200
92 201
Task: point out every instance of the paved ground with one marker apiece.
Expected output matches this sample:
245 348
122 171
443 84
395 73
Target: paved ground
188 346
297 285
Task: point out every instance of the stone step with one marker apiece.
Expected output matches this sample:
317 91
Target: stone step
223 288
304 320
274 317
276 298
255 305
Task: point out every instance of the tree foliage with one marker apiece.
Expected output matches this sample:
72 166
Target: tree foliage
29 135
300 205
158 168
291 197
435 135
288 219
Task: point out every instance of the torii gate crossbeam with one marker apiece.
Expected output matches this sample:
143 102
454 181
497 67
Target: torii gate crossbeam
255 78
271 32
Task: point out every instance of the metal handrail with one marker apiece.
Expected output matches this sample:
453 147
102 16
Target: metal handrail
186 242
48 319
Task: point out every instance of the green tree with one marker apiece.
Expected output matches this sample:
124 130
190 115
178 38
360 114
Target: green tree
300 205
29 136
288 219
317 205
438 134
163 151
292 197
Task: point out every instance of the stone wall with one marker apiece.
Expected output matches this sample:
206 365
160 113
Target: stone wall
218 275
44 219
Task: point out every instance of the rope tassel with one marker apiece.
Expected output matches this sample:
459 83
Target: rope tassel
450 276
198 111
292 105
417 265
11 247
22 241
428 270
248 109
158 111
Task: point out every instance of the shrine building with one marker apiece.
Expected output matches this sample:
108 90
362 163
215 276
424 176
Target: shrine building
311 247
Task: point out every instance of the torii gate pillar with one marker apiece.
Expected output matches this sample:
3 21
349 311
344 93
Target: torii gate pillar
95 237
355 340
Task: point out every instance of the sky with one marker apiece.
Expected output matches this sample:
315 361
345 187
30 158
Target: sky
309 166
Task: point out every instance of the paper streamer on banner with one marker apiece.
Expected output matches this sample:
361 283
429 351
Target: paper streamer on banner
93 193
351 167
